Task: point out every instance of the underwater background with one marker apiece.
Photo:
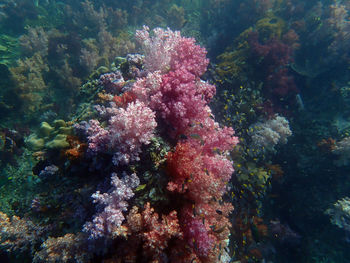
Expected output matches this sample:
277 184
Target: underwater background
175 131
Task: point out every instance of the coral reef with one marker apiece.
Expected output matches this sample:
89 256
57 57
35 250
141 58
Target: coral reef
82 114
19 234
339 213
266 135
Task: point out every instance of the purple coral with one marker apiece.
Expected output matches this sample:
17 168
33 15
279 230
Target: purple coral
197 236
112 82
115 203
48 171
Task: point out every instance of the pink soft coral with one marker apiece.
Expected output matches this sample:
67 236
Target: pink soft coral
181 99
128 129
166 50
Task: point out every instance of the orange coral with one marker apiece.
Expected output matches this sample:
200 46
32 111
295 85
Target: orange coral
326 145
124 99
76 150
146 229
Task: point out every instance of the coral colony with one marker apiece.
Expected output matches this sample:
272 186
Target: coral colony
172 93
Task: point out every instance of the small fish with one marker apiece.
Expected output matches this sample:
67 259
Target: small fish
195 136
140 187
219 230
219 212
183 137
216 150
212 227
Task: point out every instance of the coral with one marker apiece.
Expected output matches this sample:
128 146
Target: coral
275 58
157 49
266 135
76 150
339 23
181 100
148 231
106 223
199 168
18 234
194 169
156 233
326 145
128 129
167 50
197 174
342 149
340 213
195 232
69 248
112 82
146 87
178 95
49 171
124 99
